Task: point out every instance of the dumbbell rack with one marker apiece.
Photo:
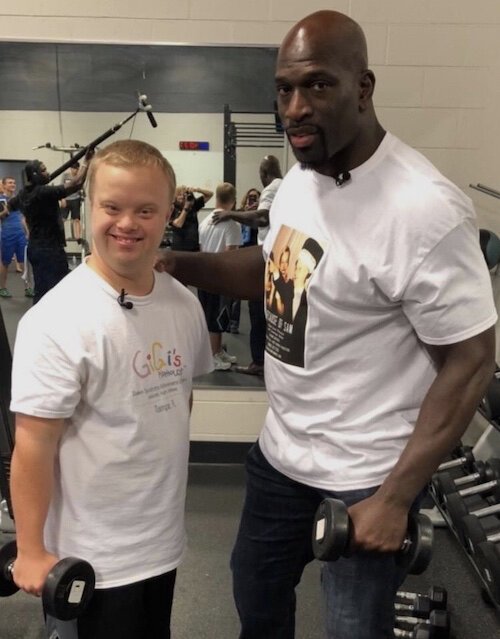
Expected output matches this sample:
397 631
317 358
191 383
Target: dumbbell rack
484 583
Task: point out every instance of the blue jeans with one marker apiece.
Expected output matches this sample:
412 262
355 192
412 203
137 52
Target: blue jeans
273 547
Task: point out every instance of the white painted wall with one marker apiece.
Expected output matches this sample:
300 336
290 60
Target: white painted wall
437 63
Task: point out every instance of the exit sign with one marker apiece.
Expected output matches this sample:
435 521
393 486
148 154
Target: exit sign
194 146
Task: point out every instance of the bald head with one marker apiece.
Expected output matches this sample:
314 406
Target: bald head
269 169
328 33
325 93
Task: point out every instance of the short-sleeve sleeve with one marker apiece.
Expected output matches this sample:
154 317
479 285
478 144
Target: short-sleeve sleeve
449 297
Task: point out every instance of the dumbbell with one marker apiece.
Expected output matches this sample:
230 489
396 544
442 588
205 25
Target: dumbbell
488 563
482 472
437 596
420 631
421 607
454 502
333 527
67 590
464 458
473 531
438 623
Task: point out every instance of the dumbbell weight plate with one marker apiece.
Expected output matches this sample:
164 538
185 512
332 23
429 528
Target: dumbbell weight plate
8 553
331 526
68 588
419 553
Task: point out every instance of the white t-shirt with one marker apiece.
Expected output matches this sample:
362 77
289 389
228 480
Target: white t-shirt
122 380
265 202
215 238
395 262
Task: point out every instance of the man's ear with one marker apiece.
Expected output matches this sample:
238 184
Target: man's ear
366 88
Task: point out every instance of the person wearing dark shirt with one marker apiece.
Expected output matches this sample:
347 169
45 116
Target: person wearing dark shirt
184 220
39 203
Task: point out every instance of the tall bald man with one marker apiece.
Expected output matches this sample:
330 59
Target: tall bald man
398 345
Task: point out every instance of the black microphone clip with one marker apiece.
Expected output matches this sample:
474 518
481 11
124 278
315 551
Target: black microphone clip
342 178
145 106
121 300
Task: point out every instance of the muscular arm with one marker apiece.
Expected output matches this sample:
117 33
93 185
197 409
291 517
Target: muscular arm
32 477
253 219
238 274
464 371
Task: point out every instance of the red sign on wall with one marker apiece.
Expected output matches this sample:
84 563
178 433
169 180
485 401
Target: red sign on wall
194 146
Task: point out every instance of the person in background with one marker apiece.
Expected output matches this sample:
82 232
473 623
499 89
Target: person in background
184 220
71 206
39 203
397 351
249 202
102 390
271 178
13 237
217 238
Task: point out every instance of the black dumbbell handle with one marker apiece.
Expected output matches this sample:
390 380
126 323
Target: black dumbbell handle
480 488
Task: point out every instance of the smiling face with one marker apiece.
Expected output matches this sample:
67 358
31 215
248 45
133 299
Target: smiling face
130 208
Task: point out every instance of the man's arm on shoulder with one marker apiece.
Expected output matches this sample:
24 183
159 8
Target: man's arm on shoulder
464 371
32 479
253 219
238 274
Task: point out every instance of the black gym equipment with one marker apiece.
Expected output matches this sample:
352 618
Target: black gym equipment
438 623
243 134
420 631
420 607
488 563
67 590
474 533
332 532
454 502
482 471
436 594
464 459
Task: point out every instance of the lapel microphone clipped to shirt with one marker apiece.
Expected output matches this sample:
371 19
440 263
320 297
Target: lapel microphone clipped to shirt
122 302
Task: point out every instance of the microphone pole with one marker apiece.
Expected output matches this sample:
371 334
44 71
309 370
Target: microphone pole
92 144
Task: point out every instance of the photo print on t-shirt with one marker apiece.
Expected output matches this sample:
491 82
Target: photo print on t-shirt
290 266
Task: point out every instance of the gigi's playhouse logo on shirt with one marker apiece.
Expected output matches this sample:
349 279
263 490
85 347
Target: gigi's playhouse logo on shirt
157 360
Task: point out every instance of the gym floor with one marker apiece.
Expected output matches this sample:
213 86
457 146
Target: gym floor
203 605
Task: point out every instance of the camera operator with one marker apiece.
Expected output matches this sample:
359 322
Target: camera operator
39 203
184 220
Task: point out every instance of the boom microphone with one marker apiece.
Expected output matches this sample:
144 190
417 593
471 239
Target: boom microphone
145 106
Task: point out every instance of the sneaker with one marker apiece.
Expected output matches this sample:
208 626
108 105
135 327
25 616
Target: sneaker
251 369
28 292
4 292
225 357
220 364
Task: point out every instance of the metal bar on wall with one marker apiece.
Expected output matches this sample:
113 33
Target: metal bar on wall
487 190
